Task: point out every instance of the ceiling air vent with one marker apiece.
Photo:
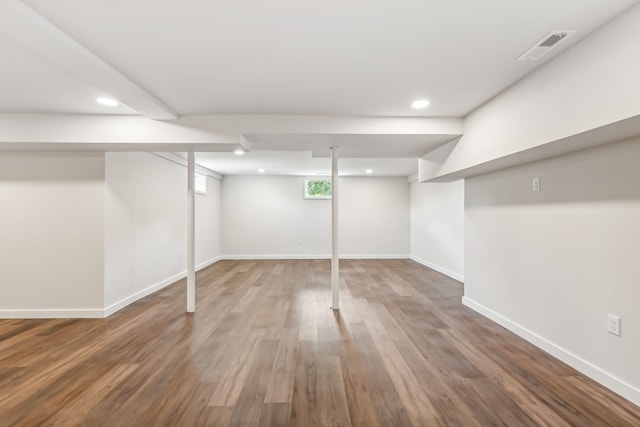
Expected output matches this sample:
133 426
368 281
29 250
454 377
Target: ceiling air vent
544 45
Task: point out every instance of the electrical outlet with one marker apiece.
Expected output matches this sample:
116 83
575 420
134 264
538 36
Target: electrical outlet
613 324
299 242
181 253
535 184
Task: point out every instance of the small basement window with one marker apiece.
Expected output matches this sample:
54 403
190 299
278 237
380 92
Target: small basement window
317 188
201 184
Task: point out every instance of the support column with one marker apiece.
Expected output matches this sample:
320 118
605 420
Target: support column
191 235
335 260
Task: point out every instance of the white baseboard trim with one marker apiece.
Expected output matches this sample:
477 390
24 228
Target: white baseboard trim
374 256
206 263
259 257
316 256
72 313
87 313
108 311
438 268
616 385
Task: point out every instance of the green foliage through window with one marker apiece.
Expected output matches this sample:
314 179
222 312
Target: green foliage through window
318 189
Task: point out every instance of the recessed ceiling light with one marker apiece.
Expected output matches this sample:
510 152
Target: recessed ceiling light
369 171
421 103
239 152
261 170
107 101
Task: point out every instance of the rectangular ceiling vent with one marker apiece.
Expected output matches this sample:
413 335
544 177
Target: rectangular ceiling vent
544 45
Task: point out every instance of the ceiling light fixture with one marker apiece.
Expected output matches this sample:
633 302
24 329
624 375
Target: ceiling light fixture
368 171
109 102
421 103
239 152
261 170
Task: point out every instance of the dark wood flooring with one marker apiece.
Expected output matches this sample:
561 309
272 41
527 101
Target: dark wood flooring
264 349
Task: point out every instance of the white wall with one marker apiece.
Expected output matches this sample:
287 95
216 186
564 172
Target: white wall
374 217
266 216
437 226
550 265
208 224
51 228
145 226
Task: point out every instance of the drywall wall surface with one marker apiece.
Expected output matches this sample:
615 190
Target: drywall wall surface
146 225
437 226
51 223
593 84
208 220
374 216
267 216
551 264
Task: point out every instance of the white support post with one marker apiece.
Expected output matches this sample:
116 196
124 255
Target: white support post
191 235
335 267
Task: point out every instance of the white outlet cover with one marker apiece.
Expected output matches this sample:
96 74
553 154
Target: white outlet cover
613 324
535 184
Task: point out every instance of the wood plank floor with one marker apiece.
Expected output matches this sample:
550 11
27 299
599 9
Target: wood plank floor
264 349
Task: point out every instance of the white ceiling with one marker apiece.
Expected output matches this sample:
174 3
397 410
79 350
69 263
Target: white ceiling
330 57
355 146
357 57
28 84
301 163
385 155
